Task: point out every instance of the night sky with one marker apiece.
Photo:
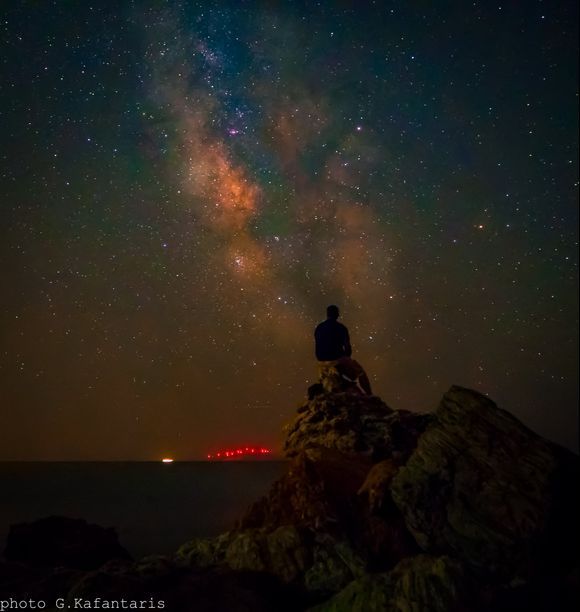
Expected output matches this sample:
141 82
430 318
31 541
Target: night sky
185 186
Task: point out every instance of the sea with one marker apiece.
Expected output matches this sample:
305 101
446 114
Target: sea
154 507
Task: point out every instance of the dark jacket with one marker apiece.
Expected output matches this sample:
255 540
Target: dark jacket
332 341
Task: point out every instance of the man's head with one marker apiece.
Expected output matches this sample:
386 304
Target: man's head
332 312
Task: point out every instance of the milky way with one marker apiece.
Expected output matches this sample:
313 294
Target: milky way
185 187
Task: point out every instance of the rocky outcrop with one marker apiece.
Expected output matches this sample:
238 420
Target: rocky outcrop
417 584
379 509
460 501
312 562
301 531
356 425
318 490
480 486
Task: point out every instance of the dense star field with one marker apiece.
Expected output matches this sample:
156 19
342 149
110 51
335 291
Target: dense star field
186 186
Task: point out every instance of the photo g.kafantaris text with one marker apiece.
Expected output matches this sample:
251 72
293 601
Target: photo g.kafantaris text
81 603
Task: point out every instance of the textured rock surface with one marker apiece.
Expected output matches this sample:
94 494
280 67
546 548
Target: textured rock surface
59 541
315 528
316 562
418 584
478 485
377 484
203 552
318 491
354 424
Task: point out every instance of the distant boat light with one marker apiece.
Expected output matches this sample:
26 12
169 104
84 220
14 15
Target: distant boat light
167 460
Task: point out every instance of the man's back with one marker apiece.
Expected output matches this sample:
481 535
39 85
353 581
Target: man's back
332 341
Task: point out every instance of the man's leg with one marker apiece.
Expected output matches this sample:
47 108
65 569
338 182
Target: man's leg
353 370
365 383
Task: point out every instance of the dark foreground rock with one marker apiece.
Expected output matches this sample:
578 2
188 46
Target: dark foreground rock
462 509
422 583
482 487
204 589
38 583
58 541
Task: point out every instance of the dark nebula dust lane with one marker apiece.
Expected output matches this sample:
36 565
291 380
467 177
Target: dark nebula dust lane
185 187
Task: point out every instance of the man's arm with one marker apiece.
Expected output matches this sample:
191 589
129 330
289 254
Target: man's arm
347 347
316 342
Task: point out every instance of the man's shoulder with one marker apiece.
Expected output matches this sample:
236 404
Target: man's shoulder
331 323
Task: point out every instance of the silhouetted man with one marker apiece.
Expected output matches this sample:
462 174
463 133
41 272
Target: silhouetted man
332 340
333 352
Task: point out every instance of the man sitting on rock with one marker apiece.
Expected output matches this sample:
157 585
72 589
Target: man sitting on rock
338 371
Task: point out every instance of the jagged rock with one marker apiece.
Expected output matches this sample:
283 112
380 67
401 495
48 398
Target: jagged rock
479 486
59 541
334 565
430 584
354 424
377 483
281 552
380 529
318 562
323 493
419 584
312 528
383 540
318 491
203 552
370 593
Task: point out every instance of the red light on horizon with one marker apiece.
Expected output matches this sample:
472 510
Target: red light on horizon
240 452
